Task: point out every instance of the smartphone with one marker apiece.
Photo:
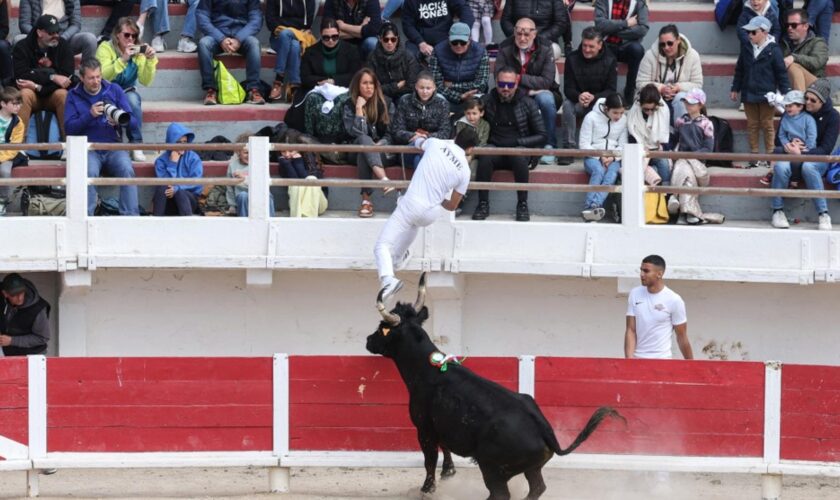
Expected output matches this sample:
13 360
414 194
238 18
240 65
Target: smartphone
143 49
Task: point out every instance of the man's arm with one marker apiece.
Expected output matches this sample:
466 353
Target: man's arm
816 59
682 340
255 21
452 203
24 16
75 23
202 15
630 337
40 333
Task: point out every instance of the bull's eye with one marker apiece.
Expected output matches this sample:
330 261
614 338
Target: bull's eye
385 332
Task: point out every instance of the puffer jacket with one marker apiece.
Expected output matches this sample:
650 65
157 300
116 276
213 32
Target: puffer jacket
695 135
551 17
599 132
469 71
748 13
529 123
605 23
598 75
393 68
755 76
828 129
432 116
654 66
539 74
811 54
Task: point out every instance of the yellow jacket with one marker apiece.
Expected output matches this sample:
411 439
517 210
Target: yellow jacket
112 65
15 137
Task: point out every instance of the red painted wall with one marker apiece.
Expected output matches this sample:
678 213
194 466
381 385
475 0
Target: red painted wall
673 408
14 399
159 404
810 413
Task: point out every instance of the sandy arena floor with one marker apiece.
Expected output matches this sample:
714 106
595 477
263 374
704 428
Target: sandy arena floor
346 483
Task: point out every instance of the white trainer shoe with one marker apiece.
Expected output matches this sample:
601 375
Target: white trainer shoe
673 204
159 44
391 288
137 155
780 221
593 214
186 44
824 222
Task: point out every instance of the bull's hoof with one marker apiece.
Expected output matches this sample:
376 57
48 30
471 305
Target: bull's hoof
447 472
428 487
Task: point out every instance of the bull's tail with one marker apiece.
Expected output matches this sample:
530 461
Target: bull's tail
596 418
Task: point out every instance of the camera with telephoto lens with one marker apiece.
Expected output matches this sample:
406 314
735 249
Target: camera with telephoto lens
116 115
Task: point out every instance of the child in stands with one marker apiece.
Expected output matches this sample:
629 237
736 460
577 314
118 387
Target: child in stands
482 11
11 132
795 127
237 196
474 117
603 128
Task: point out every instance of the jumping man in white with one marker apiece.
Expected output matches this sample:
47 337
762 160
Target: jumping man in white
439 183
653 311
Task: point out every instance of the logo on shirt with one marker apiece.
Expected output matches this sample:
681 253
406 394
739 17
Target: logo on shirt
454 159
659 307
433 10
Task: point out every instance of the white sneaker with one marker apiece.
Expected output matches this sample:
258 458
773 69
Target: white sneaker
186 44
137 155
403 263
270 51
673 204
780 221
158 44
593 214
140 30
391 288
825 222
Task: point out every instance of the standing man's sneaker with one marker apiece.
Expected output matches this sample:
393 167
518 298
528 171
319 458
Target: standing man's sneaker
210 98
522 214
186 44
255 97
391 288
824 222
159 44
779 220
481 211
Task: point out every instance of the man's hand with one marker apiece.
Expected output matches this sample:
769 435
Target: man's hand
788 61
61 80
365 21
585 98
170 191
632 21
227 45
425 48
468 94
97 109
235 44
733 96
5 341
27 84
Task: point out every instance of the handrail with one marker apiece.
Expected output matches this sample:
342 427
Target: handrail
490 186
755 192
690 155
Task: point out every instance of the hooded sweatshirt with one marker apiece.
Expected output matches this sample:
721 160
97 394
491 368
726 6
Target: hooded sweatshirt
599 132
79 121
188 165
695 134
429 20
28 325
685 71
290 13
828 128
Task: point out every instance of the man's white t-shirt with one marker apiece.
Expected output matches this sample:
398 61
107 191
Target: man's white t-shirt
442 169
656 315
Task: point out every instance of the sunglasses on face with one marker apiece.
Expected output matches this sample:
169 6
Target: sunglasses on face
795 25
669 43
389 39
506 85
752 32
133 36
812 100
457 43
329 38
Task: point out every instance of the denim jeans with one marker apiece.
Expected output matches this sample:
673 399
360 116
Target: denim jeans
568 131
631 54
183 202
390 7
819 13
115 164
288 56
411 160
188 29
159 14
135 134
367 46
242 204
250 48
663 169
545 101
599 176
812 174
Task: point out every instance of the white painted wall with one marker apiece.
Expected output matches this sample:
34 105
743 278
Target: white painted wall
179 313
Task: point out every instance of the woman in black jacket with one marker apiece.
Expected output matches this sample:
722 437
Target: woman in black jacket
394 67
330 60
421 115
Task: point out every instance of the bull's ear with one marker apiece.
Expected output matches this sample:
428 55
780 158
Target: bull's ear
423 315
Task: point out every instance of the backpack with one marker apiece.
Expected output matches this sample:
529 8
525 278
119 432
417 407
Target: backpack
728 11
723 141
42 200
228 89
43 128
216 155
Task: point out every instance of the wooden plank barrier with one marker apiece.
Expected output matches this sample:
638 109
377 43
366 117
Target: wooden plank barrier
14 401
811 413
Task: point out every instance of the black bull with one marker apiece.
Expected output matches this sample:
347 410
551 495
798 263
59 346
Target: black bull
504 432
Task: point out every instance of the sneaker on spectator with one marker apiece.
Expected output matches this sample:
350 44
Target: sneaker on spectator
255 97
278 92
138 155
779 220
673 204
481 211
210 98
159 44
824 222
271 51
3 203
391 288
692 220
186 44
593 214
547 159
522 213
767 179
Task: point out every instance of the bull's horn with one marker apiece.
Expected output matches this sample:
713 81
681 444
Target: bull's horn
389 317
421 293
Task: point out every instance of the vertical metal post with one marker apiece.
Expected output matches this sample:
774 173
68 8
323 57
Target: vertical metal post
278 477
76 177
258 178
632 186
37 382
527 371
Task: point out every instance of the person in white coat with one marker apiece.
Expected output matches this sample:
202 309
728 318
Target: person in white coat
603 128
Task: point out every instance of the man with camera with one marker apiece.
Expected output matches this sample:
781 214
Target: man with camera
98 109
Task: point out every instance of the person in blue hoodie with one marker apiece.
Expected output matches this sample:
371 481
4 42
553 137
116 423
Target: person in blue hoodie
426 23
85 114
178 164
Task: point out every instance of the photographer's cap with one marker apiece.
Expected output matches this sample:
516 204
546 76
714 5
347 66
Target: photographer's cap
13 284
48 23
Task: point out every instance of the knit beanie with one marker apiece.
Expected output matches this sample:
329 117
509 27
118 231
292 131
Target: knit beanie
821 88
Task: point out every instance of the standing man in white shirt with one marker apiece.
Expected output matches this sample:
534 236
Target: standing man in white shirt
439 183
653 312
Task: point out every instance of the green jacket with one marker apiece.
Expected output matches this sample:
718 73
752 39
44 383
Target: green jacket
811 54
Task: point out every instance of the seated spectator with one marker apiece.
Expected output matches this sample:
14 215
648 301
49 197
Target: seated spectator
85 115
126 63
25 318
818 104
395 68
178 164
805 53
427 23
624 30
460 67
820 13
532 59
290 25
357 21
673 66
796 128
603 129
230 27
69 15
550 17
44 70
160 23
753 8
419 116
159 12
304 201
331 60
367 120
238 168
648 124
119 10
474 117
7 70
11 132
515 122
187 41
589 74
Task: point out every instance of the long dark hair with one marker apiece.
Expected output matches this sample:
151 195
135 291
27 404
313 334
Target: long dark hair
376 109
649 94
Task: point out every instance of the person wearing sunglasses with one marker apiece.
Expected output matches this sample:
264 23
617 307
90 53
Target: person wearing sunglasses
395 68
673 66
624 24
426 23
461 68
69 15
648 124
753 8
760 69
806 54
328 61
358 22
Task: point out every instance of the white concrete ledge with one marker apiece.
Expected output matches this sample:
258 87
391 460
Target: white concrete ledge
738 465
11 465
802 468
153 460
